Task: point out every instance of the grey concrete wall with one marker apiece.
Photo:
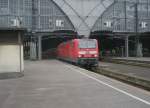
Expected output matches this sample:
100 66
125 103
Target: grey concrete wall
10 58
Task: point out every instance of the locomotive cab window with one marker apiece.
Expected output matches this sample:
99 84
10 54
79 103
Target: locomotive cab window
87 44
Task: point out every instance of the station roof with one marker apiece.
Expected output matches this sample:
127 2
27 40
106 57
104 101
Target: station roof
12 29
83 14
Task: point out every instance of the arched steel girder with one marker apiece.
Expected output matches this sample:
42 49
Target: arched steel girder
83 24
64 14
102 14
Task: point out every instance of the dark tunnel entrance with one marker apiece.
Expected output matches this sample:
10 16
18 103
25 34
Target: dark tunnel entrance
145 41
113 44
108 42
51 41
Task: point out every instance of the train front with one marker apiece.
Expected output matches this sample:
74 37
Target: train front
88 52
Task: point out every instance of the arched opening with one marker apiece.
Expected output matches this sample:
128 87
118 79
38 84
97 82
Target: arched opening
51 41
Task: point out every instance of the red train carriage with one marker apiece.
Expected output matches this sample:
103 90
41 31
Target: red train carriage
79 51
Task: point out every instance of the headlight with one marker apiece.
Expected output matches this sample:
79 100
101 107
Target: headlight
82 52
80 56
95 55
93 52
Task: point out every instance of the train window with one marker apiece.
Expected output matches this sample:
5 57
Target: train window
87 44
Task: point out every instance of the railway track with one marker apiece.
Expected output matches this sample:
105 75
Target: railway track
132 80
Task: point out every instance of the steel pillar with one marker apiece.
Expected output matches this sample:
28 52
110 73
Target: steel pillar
33 50
39 47
127 46
139 50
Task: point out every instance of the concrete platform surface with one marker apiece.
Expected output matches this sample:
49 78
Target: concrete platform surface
135 71
140 59
54 84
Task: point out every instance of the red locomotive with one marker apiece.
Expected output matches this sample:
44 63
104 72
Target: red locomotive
79 51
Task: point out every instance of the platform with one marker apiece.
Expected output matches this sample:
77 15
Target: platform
133 61
55 84
134 74
137 59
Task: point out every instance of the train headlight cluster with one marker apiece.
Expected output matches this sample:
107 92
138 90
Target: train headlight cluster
92 52
95 55
81 56
82 52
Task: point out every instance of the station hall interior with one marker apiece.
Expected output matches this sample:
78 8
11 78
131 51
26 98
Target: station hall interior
122 27
109 68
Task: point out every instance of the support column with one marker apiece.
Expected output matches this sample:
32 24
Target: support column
20 54
122 51
139 48
127 46
39 47
33 55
